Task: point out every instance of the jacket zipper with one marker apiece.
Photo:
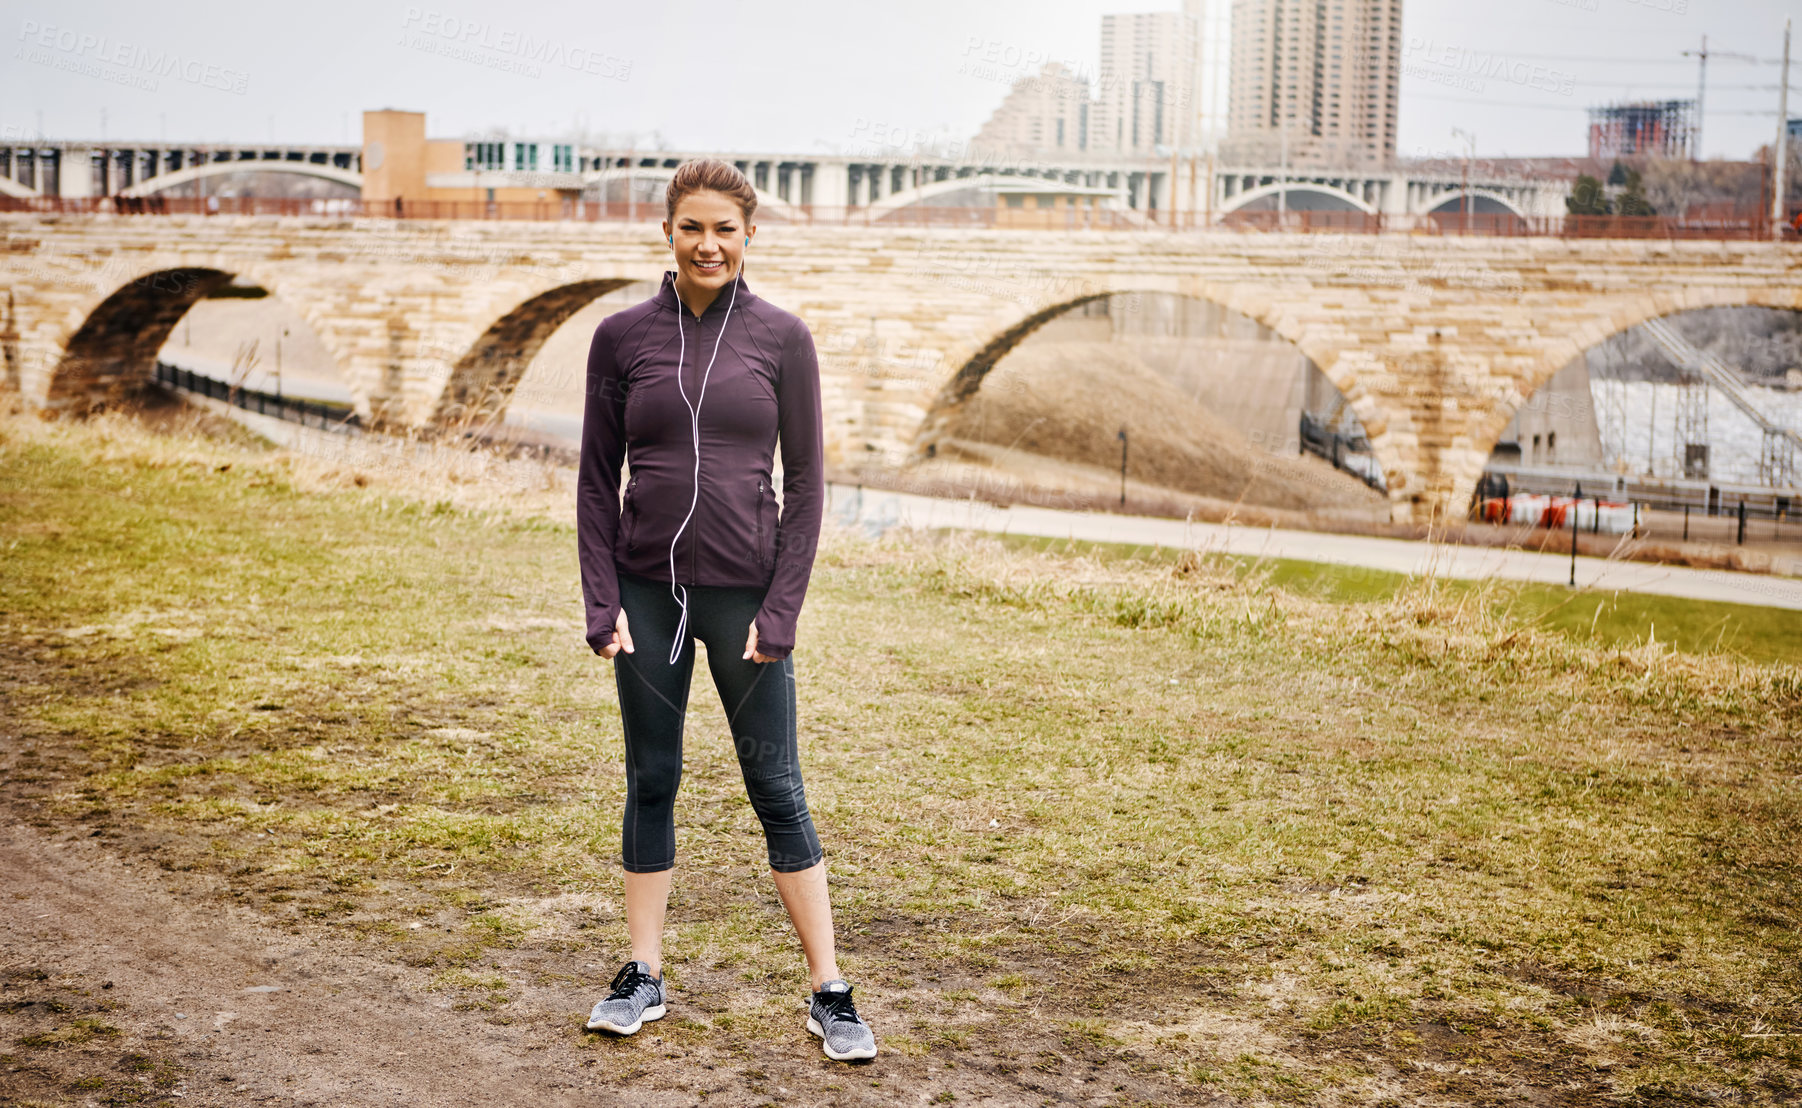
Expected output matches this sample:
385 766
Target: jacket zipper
757 526
694 537
631 513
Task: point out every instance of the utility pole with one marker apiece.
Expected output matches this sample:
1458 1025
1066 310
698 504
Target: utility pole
1778 208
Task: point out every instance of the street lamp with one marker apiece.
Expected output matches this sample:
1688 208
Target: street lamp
1122 437
1470 153
1282 185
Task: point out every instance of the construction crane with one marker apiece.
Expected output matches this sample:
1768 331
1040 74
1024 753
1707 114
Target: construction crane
1695 151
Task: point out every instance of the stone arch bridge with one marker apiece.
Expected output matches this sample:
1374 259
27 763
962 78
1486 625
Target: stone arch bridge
1434 340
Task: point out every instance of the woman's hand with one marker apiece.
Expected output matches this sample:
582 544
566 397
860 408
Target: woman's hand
622 637
751 646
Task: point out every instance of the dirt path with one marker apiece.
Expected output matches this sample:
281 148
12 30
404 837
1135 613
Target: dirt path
249 1013
119 990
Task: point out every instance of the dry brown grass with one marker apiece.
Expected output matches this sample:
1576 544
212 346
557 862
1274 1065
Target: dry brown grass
1167 824
463 473
1067 400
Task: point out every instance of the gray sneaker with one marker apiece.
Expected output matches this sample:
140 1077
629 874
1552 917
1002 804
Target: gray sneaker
843 1033
636 998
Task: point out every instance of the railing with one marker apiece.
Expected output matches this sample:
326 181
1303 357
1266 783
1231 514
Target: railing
1707 497
1320 439
327 417
344 420
1754 226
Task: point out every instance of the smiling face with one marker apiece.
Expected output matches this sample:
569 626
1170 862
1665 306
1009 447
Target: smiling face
708 236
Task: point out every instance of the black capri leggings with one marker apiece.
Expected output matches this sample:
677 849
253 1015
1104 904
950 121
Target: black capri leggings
759 699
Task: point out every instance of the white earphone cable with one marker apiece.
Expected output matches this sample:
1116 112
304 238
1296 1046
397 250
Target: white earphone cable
694 414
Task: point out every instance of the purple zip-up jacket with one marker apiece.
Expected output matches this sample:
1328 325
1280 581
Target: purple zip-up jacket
764 387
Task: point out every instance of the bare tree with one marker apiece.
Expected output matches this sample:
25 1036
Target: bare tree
1675 186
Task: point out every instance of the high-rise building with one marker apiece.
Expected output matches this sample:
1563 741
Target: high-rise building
1317 76
1213 71
1163 88
1661 127
1049 112
1145 95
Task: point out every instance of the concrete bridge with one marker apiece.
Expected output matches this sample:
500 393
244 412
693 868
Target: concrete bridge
1434 341
873 182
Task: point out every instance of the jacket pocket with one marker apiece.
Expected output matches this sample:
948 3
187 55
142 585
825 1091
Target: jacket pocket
759 542
629 516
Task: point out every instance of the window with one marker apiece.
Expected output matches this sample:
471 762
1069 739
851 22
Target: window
525 156
1015 200
563 158
482 155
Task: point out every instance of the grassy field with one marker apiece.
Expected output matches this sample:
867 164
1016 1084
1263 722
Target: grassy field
1207 828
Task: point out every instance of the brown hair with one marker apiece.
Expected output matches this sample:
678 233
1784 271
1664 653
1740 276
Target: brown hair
712 175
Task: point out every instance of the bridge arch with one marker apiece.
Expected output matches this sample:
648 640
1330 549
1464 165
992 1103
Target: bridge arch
973 366
766 201
1308 190
111 353
1483 202
151 186
1588 335
894 202
483 379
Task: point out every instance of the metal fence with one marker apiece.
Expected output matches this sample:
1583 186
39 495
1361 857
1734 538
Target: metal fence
1320 438
344 420
1701 497
311 413
1743 225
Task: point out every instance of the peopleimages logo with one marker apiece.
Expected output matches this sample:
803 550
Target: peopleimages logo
120 61
1468 63
994 60
472 40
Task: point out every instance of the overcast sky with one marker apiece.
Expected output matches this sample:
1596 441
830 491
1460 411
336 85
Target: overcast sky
805 76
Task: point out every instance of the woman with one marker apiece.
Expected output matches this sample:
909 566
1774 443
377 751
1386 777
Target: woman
694 387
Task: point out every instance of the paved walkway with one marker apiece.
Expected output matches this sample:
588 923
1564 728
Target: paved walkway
880 509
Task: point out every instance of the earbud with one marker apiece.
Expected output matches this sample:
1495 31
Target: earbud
672 240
